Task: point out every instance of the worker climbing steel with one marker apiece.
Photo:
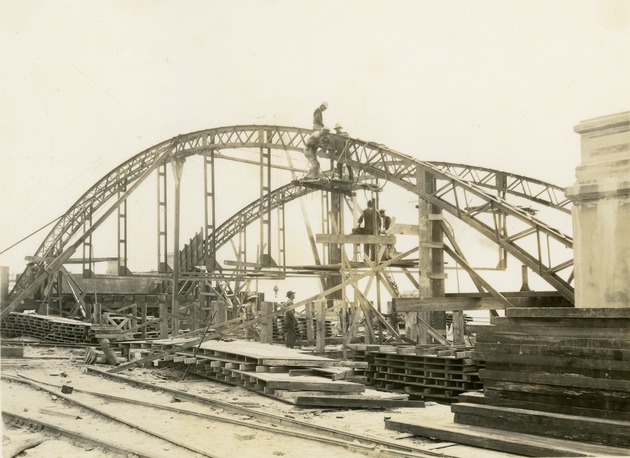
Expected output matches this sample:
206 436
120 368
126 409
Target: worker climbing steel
314 142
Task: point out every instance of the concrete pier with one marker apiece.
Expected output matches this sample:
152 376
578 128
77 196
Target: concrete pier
601 213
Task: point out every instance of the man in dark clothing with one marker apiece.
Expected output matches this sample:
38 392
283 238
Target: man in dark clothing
339 146
318 116
371 220
290 321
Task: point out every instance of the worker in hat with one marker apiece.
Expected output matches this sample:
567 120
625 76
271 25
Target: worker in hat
290 321
339 146
318 116
339 130
371 220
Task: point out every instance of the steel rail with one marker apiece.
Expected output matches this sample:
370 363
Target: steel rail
370 157
20 420
263 416
109 416
244 423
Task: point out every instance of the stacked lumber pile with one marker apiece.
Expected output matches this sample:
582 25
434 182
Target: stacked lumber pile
283 373
279 331
436 373
44 327
556 372
110 331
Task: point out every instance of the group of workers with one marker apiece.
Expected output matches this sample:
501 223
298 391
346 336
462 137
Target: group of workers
291 327
375 222
319 138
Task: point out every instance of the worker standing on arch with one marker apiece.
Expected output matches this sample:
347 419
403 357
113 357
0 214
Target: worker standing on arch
318 116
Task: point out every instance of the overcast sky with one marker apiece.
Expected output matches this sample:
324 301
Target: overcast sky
85 85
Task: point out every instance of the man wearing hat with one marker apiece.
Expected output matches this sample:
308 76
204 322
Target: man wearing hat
290 321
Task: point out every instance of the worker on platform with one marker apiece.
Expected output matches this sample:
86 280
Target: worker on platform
314 142
339 146
371 220
318 116
386 224
290 321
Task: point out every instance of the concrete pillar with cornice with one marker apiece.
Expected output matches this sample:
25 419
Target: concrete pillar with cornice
601 213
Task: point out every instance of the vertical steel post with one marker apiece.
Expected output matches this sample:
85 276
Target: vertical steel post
282 251
325 209
162 232
501 183
209 209
87 246
178 167
265 249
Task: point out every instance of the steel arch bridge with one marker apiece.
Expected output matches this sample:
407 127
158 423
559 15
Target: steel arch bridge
487 200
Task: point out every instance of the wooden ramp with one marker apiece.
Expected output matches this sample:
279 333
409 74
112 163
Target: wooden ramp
426 424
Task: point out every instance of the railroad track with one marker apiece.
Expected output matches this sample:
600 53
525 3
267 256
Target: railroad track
279 428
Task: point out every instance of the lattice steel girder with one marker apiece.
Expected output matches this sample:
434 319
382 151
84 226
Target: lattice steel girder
368 157
535 190
398 168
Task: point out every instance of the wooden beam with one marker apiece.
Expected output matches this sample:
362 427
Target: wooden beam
475 301
355 238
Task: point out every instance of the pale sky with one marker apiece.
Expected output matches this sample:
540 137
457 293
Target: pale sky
85 85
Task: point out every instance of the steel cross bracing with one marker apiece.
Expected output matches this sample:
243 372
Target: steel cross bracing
535 190
470 203
368 157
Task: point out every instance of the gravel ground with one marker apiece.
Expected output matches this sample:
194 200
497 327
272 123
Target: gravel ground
61 366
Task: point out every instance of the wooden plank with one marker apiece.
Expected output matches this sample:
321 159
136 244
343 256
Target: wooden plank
546 404
449 303
443 429
543 349
566 363
284 381
605 313
354 402
548 329
569 323
558 379
313 363
12 352
567 427
356 238
495 335
609 401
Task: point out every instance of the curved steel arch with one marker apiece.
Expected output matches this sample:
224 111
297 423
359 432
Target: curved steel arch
375 159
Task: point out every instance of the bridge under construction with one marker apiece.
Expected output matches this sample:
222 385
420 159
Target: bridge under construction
191 240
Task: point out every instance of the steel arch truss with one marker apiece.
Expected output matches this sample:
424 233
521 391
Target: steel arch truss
461 190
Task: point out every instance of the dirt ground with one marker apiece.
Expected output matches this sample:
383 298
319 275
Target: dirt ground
62 366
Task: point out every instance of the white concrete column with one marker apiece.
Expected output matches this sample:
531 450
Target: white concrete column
601 213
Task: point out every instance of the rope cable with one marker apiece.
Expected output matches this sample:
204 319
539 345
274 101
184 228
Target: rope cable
31 234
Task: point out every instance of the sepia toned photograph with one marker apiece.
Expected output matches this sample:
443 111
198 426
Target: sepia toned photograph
302 229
